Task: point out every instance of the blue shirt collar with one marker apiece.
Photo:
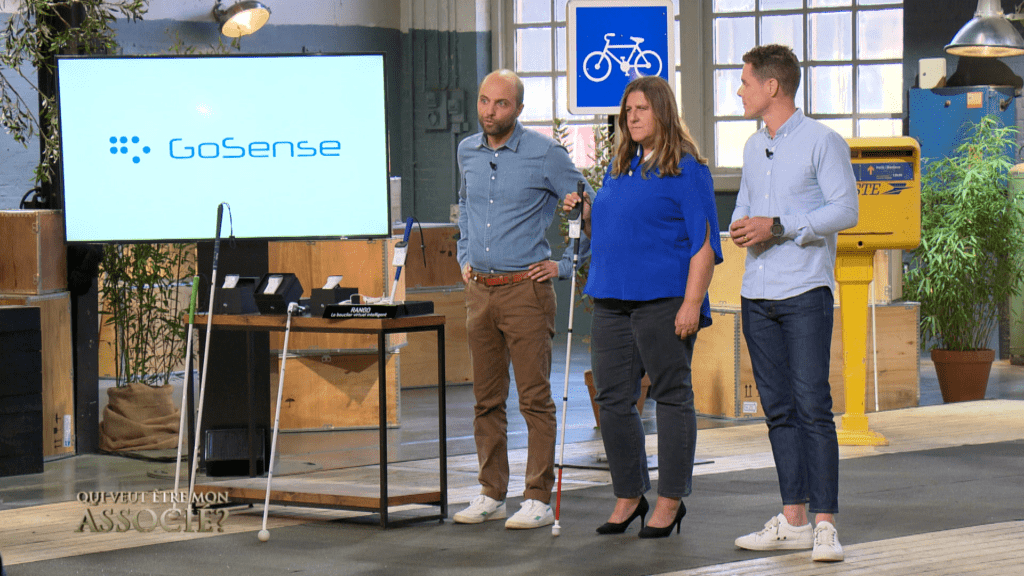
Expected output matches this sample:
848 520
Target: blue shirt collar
512 143
788 126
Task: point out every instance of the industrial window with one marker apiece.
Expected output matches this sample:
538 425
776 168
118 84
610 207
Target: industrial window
851 52
538 34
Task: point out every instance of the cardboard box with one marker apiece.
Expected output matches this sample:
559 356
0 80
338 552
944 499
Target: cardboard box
418 359
33 260
57 368
439 250
723 382
333 391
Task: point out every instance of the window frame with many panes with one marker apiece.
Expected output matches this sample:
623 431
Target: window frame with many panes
849 48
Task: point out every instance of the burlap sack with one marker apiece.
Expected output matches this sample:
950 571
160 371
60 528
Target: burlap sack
139 417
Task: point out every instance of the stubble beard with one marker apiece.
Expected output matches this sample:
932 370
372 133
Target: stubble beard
497 129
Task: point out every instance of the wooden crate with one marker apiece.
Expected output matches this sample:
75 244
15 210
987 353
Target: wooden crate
365 264
58 368
899 357
440 252
34 260
332 391
418 359
723 381
888 275
724 290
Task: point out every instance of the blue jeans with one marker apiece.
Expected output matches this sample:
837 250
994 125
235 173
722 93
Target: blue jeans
627 338
790 344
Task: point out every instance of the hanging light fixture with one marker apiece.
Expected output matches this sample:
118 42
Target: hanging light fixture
989 34
241 18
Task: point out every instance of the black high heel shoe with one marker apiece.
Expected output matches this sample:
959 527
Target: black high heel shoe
612 528
652 532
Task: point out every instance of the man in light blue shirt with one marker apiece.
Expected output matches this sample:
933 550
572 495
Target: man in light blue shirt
512 180
796 193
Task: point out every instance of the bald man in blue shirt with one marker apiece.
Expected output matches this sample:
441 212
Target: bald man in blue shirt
512 179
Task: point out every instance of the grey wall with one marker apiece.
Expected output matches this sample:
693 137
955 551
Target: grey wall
440 75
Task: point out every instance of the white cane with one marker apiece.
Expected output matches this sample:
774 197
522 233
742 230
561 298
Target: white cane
575 222
206 355
264 534
187 383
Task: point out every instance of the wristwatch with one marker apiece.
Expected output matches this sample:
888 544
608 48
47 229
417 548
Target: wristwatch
777 229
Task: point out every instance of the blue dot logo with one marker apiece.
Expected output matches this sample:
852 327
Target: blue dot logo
136 152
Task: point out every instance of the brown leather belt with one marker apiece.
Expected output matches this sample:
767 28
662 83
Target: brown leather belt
499 279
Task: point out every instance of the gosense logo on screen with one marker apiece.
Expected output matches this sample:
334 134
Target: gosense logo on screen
119 145
180 149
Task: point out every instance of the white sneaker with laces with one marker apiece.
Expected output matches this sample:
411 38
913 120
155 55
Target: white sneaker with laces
532 514
778 534
481 508
826 544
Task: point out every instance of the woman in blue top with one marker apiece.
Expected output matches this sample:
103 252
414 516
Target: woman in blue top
654 243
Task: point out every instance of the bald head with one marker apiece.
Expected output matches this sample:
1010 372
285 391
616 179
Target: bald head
499 104
509 78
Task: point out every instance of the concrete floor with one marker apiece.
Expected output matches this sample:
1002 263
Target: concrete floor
63 479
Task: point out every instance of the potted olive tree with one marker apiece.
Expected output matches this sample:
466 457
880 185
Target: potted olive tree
35 32
970 257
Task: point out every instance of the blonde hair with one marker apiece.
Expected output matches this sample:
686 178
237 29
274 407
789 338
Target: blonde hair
672 139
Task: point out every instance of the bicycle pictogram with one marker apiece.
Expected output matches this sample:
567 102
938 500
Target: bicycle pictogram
598 64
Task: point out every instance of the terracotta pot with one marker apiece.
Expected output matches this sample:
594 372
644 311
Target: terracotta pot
963 375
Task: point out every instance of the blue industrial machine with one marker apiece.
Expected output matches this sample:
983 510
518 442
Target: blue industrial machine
939 116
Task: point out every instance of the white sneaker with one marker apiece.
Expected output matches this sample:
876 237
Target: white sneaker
778 534
532 514
481 508
826 544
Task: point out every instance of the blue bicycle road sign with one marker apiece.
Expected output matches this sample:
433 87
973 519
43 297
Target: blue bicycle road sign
610 43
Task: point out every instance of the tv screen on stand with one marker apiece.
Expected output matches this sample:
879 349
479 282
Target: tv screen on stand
295 144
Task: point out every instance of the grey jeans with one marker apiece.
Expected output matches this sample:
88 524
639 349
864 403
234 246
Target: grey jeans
629 338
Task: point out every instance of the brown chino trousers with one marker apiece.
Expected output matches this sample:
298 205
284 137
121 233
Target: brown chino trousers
513 323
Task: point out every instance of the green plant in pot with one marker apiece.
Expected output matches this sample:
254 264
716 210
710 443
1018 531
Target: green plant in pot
970 257
144 293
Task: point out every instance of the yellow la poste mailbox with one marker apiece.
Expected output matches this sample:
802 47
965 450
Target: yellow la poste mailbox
888 173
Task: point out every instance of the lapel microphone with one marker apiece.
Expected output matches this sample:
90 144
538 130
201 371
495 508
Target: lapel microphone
768 153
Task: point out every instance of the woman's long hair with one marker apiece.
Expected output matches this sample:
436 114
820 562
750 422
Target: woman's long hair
672 139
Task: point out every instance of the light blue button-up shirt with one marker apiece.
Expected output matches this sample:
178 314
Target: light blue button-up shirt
804 176
507 200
